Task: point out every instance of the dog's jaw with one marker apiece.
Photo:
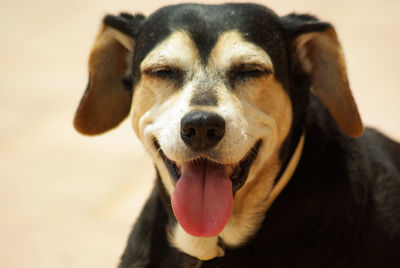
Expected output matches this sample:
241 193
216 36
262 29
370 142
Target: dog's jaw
250 203
245 220
211 175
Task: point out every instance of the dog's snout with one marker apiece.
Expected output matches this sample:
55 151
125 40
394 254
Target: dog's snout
202 130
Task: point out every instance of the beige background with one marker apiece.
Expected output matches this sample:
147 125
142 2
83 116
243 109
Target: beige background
69 201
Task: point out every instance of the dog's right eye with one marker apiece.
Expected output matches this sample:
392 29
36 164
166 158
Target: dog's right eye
165 73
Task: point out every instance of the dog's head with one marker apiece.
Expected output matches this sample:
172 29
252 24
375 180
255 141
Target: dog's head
216 92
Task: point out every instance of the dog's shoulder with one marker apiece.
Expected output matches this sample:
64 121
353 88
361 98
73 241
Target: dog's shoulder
366 170
371 160
383 151
384 163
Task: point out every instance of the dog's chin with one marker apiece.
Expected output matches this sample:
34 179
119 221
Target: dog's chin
238 172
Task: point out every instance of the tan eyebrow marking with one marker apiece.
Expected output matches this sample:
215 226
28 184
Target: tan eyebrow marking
240 52
178 51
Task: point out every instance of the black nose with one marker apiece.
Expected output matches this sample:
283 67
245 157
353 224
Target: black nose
202 130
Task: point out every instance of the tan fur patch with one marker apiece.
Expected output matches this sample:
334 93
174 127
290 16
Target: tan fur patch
203 248
231 49
178 50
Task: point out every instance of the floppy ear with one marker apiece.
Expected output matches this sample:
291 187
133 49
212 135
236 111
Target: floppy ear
107 99
317 48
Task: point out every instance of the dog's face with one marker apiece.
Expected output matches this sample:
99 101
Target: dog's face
209 104
216 94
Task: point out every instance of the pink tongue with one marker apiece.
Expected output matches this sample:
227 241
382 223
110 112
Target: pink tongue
202 201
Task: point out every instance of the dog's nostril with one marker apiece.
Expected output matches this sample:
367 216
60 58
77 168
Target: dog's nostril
188 132
211 134
214 134
202 130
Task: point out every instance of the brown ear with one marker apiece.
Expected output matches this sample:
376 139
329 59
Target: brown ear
320 53
107 100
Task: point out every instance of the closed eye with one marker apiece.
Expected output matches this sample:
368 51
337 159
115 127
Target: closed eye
244 72
165 73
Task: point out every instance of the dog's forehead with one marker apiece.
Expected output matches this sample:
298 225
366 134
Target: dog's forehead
231 49
206 23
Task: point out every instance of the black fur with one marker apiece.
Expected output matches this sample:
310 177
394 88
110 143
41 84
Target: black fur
342 205
125 23
204 96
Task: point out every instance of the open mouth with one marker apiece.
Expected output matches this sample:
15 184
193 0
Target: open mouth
240 171
202 200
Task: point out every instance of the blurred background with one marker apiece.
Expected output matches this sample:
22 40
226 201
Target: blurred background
69 201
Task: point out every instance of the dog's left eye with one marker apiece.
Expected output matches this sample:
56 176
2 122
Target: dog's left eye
244 74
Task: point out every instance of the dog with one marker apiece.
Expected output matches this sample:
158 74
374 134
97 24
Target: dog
262 159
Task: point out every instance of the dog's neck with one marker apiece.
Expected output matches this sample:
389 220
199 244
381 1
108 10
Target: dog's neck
287 172
207 248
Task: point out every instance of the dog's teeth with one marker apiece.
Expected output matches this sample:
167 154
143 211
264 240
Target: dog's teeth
230 168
